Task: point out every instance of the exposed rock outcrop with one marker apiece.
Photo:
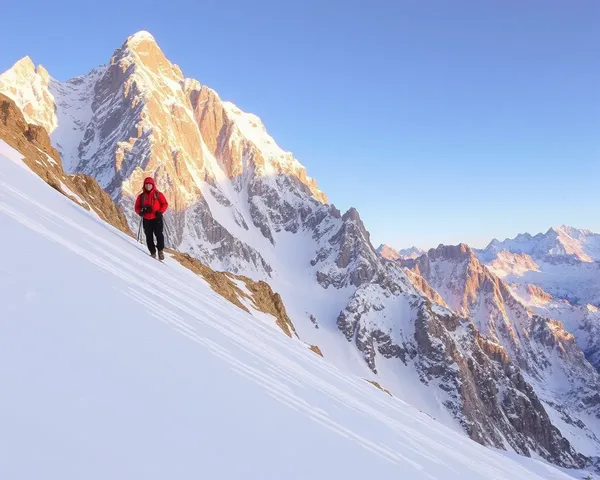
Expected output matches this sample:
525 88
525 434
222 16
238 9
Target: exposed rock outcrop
316 349
259 294
43 159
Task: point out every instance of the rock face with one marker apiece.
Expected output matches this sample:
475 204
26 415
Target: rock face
240 203
388 252
354 260
583 321
41 157
480 385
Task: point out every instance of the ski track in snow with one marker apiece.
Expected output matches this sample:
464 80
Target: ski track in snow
96 387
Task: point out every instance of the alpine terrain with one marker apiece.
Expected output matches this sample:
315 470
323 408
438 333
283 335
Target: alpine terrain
556 274
564 261
547 353
513 380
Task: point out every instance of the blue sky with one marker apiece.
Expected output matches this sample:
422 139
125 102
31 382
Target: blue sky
441 122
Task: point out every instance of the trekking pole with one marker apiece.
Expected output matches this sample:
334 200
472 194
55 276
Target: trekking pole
139 235
166 234
139 230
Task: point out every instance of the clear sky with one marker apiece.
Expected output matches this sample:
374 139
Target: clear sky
440 121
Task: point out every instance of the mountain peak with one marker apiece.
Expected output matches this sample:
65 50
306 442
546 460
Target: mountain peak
141 49
28 87
493 244
352 214
387 252
570 231
141 36
452 252
24 68
24 65
550 260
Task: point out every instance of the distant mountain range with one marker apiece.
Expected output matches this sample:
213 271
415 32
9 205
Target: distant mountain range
564 261
559 244
388 252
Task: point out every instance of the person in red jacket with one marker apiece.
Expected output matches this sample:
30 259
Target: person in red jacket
151 204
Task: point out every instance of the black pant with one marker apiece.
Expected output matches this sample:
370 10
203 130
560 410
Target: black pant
151 228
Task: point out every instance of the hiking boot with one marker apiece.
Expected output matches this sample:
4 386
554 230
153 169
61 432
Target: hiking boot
161 255
153 254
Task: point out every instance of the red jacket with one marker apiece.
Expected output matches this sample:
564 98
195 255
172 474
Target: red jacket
155 199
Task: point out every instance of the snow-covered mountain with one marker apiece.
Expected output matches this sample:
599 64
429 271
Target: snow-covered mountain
242 204
391 254
556 243
564 261
549 356
115 366
388 252
556 274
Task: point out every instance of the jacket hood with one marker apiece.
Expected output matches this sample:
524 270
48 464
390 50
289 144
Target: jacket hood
148 180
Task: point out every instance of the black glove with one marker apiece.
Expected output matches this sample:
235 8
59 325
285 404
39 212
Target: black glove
158 214
145 209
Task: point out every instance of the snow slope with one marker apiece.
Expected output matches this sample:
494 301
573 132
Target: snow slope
115 366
